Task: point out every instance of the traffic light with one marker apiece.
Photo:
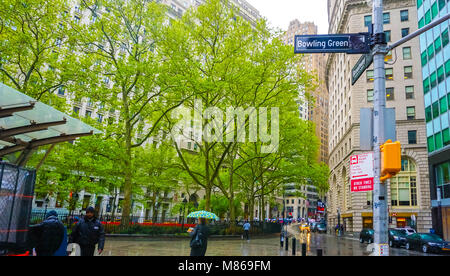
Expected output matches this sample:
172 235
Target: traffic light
391 159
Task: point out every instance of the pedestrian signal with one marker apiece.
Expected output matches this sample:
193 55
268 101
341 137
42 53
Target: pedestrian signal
391 159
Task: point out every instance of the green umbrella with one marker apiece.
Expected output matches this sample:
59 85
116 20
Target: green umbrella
203 214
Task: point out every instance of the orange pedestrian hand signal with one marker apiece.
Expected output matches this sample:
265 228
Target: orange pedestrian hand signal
391 159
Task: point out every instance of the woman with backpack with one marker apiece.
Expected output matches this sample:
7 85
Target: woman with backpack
199 240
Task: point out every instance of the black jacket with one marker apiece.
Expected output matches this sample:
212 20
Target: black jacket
204 233
47 236
88 232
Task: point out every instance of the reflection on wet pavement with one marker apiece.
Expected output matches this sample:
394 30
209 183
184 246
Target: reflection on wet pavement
258 246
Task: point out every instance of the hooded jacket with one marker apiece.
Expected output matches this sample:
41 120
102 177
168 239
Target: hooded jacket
47 236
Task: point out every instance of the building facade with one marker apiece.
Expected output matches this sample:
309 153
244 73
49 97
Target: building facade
408 193
435 65
316 111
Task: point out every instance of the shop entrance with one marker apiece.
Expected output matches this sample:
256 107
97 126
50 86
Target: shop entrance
368 223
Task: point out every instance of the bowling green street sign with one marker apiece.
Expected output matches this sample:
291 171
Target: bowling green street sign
333 43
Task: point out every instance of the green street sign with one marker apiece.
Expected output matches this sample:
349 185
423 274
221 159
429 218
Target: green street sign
363 63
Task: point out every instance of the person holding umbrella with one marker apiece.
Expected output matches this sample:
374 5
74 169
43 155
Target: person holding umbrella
199 237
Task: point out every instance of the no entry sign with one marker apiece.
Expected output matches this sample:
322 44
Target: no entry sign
361 172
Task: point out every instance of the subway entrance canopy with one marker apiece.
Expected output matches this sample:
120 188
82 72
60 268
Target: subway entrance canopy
26 124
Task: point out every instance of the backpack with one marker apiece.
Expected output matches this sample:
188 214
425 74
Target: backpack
197 242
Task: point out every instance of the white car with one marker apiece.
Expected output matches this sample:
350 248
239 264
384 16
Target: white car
407 230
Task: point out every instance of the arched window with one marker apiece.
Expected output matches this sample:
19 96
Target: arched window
404 185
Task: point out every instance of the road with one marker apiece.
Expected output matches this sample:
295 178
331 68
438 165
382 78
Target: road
256 246
341 246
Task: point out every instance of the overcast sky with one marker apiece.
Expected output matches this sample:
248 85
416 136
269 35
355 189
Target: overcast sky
281 12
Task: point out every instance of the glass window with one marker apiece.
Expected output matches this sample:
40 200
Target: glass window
433 79
428 114
440 74
435 110
434 10
390 94
438 45
388 36
370 95
389 73
367 20
408 72
406 53
446 136
430 52
409 90
76 110
412 137
421 22
447 68
430 144
427 17
405 32
426 85
445 38
369 75
443 104
404 185
386 18
404 16
424 58
419 3
439 142
411 113
441 4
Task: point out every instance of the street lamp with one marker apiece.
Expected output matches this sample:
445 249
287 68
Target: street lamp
184 207
46 200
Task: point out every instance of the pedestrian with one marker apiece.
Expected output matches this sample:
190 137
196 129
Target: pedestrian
49 236
199 238
87 233
247 229
281 239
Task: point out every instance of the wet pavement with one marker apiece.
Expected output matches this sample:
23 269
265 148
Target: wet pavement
258 246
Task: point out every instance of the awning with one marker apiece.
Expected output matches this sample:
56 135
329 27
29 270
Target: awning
26 124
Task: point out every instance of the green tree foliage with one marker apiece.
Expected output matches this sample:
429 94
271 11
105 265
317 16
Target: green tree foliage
35 53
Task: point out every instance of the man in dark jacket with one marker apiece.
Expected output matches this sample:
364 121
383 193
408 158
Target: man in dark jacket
199 240
87 233
47 236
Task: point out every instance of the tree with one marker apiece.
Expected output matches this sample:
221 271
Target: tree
118 49
224 61
35 50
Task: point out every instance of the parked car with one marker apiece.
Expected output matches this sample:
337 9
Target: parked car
408 230
321 228
304 227
427 242
366 235
397 238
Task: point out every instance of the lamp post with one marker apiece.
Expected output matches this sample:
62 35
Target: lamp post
46 200
184 207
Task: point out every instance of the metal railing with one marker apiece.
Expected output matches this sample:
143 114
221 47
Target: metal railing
161 226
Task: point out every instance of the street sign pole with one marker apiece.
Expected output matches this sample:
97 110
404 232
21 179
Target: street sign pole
380 217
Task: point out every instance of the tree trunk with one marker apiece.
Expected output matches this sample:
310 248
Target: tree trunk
128 186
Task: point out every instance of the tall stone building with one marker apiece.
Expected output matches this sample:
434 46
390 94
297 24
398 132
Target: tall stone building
316 112
315 64
408 192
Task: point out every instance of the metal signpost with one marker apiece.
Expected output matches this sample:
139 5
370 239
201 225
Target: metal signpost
382 120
